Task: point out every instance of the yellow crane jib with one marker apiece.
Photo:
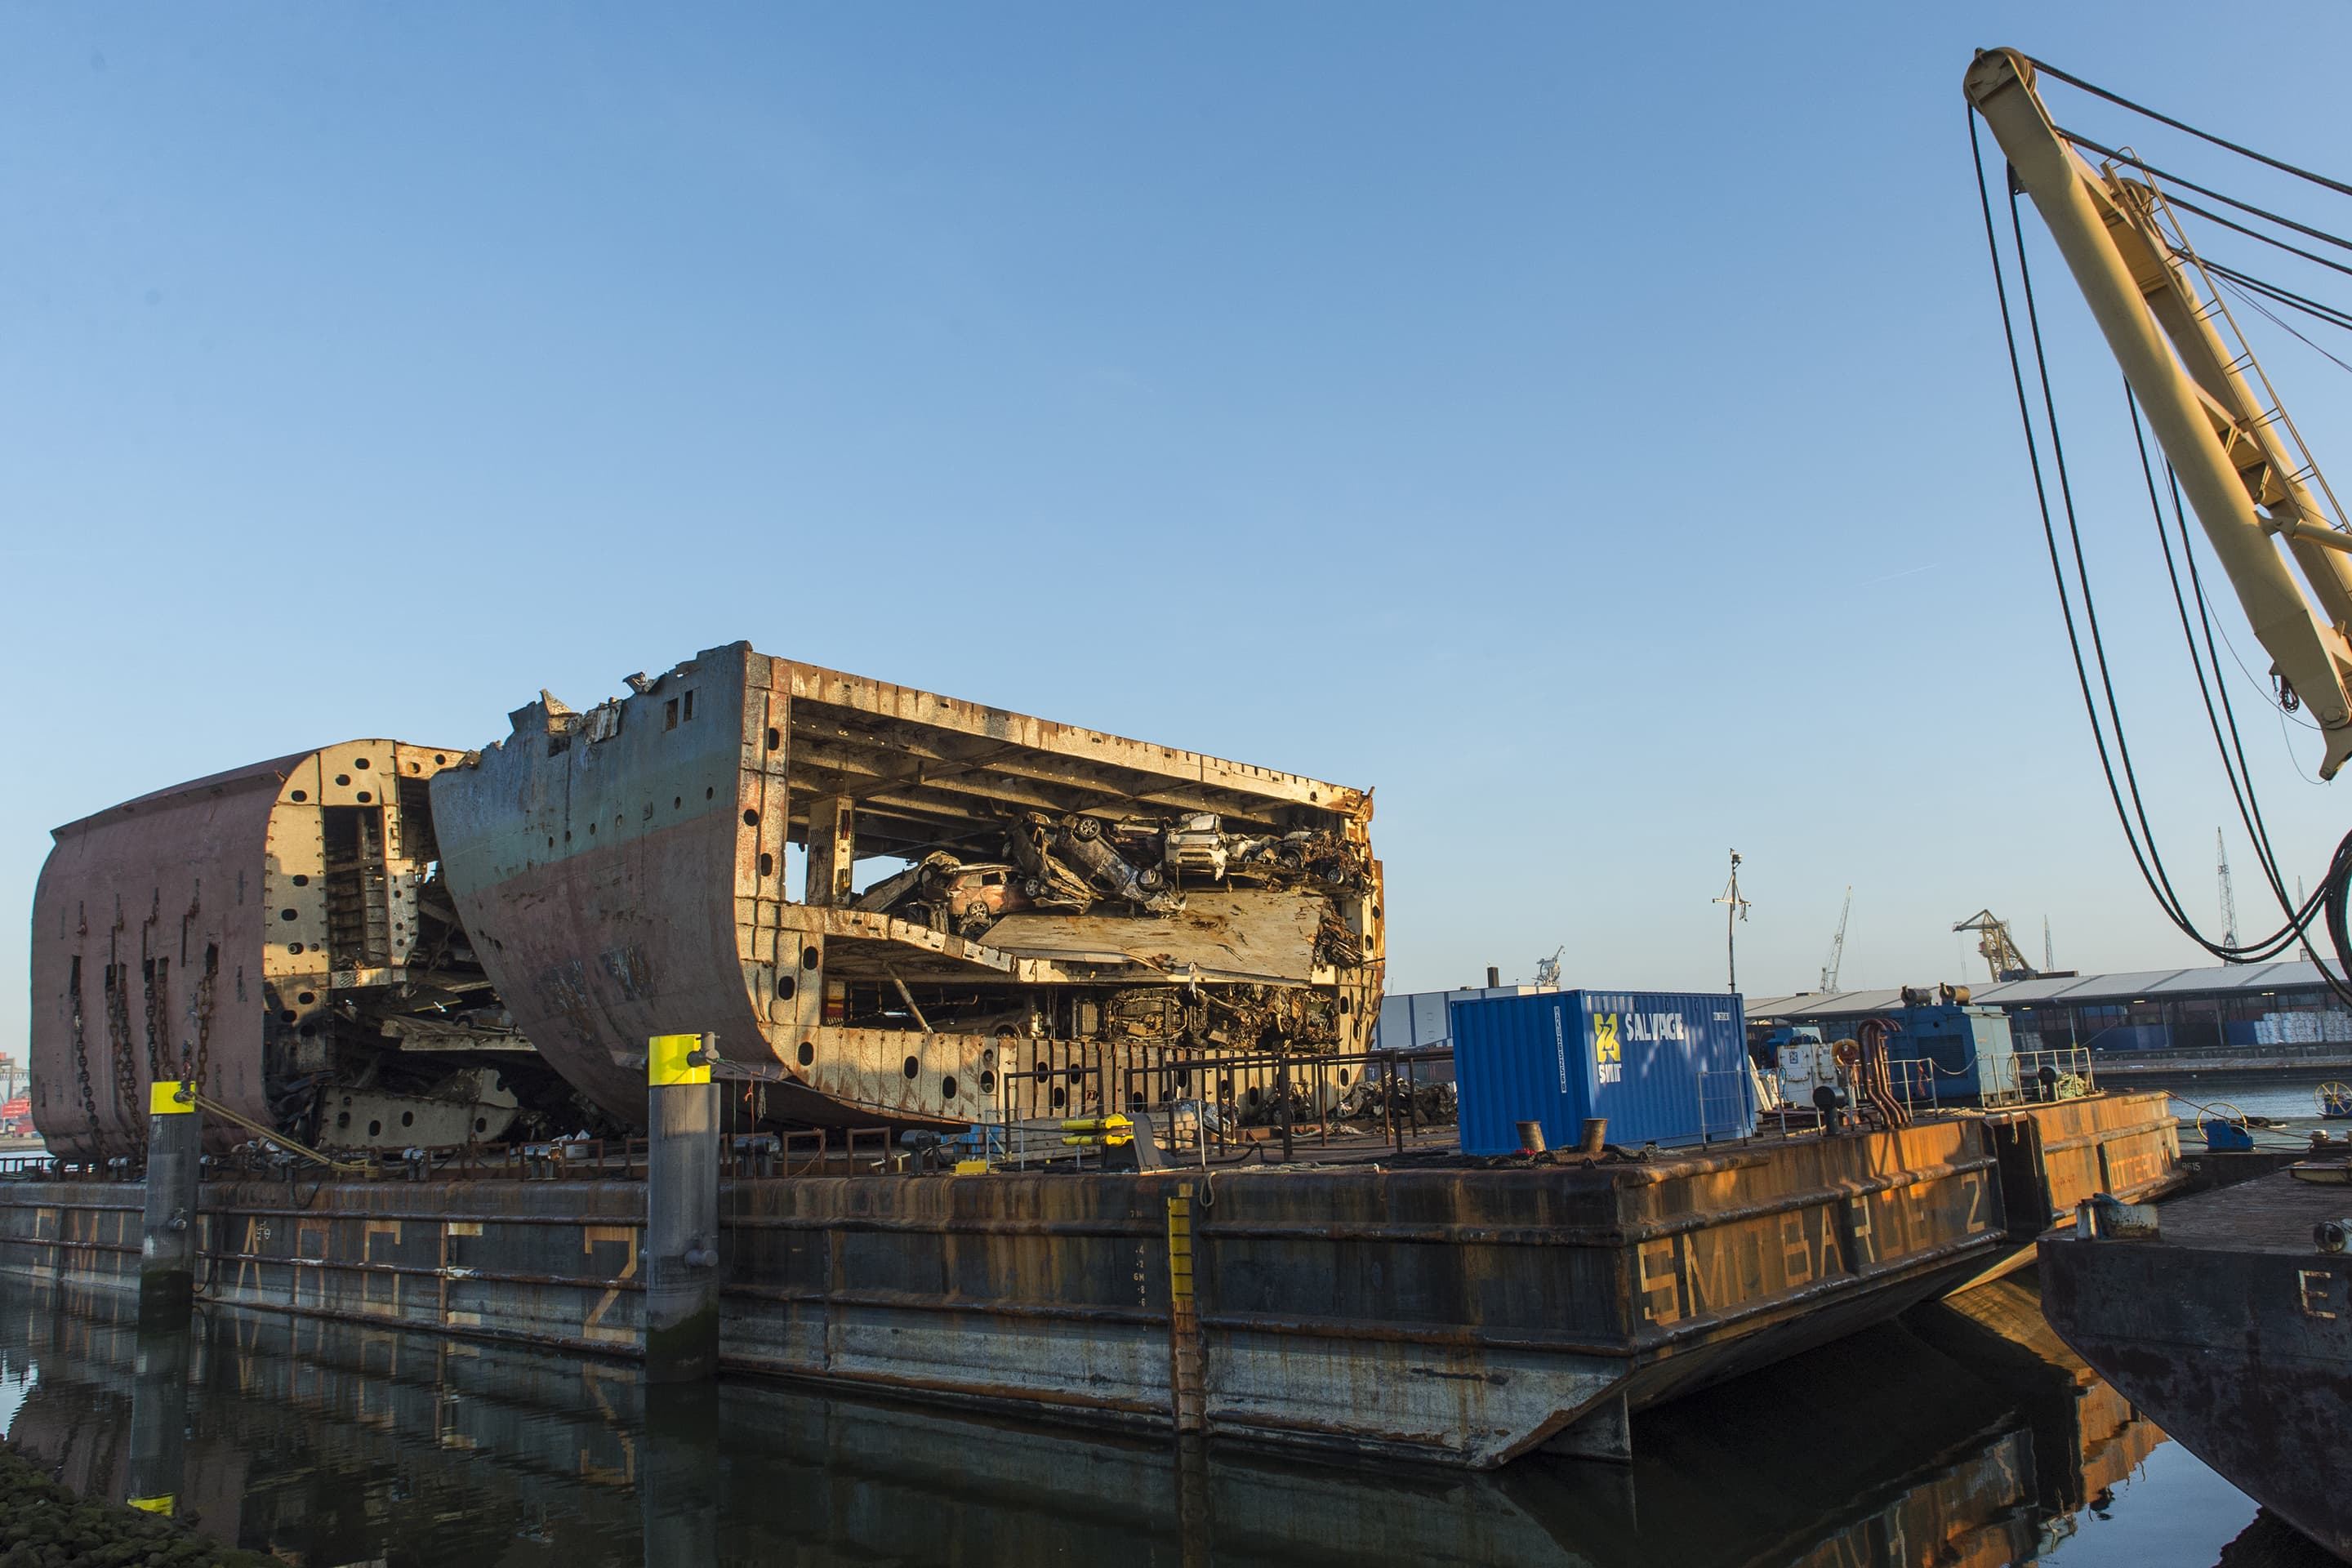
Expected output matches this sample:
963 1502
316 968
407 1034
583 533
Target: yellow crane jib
2228 446
2001 952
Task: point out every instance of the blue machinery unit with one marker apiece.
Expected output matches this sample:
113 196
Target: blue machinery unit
1664 1068
1971 1046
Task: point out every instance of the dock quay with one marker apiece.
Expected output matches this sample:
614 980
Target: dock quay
1427 1309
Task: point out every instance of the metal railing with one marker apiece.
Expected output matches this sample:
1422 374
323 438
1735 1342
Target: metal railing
1726 1103
1227 1105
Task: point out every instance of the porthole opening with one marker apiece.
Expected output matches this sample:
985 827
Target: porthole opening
375 1129
988 1083
343 1119
481 1124
809 957
408 1119
750 819
342 778
1061 1097
300 796
767 864
947 1089
786 987
300 880
807 1053
360 762
912 1068
287 915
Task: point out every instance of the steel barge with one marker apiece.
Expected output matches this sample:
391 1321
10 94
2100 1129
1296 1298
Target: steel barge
1462 1314
2230 1324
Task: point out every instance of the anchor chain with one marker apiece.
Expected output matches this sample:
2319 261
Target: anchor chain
151 1003
192 1070
118 1040
81 1064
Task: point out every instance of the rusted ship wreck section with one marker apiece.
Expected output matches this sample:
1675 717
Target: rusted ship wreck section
996 915
278 934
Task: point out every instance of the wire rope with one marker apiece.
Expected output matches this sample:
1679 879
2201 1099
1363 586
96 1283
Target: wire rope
2332 894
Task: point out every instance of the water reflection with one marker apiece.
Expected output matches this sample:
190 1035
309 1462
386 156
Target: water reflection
1956 1437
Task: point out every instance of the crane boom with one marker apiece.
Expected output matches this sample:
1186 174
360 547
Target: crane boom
1999 949
2226 447
1837 945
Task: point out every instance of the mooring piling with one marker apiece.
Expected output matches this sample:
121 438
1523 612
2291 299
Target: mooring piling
681 1245
167 1243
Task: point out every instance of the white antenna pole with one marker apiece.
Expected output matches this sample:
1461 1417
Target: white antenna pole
1736 910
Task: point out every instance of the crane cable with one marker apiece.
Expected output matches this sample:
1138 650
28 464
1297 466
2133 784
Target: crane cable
2238 773
2185 182
2072 81
2332 894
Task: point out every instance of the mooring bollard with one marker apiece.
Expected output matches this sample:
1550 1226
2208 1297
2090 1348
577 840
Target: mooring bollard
681 1247
167 1243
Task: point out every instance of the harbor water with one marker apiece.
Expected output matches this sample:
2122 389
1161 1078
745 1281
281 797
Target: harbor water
1952 1436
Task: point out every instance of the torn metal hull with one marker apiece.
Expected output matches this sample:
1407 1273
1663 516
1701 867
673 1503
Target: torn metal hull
624 872
250 931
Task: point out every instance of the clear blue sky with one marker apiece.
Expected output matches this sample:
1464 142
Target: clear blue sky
1585 425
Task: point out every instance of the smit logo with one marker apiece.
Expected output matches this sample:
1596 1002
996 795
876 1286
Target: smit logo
1608 1057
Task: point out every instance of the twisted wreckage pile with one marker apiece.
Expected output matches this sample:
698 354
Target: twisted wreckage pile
380 945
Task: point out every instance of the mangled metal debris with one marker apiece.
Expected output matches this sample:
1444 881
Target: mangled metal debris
380 945
989 902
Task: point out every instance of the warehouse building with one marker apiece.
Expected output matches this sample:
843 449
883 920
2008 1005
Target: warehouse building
2255 1007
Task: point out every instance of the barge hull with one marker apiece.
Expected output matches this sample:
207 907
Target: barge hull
1462 1316
2233 1333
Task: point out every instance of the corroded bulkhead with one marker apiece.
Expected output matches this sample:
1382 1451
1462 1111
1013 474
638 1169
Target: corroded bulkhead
1052 901
276 933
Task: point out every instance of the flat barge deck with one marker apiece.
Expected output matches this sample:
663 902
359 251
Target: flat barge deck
2232 1330
1462 1315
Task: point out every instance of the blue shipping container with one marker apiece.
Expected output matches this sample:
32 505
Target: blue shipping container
1664 1068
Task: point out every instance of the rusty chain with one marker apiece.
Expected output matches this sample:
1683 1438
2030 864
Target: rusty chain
149 1003
118 1040
195 1071
81 1065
